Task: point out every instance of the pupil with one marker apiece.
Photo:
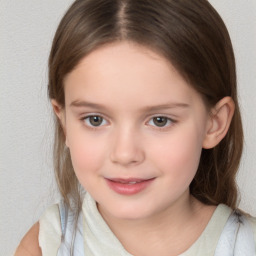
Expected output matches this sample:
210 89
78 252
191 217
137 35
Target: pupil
95 120
160 121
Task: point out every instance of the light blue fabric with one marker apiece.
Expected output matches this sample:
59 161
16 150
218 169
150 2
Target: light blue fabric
71 239
237 238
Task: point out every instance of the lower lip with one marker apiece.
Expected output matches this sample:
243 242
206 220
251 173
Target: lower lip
128 189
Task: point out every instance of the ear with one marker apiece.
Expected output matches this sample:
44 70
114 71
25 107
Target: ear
60 113
219 122
58 110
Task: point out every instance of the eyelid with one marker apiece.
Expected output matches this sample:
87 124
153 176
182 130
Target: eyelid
171 120
85 116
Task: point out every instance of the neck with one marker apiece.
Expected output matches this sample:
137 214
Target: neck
169 232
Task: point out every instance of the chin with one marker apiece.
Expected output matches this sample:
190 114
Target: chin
126 212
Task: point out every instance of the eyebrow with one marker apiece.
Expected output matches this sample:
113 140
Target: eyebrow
81 103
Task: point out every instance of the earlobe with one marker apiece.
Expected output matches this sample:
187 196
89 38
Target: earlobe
219 122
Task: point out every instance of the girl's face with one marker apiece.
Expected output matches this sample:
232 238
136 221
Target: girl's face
135 129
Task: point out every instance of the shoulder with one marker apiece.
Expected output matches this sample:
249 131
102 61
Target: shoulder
44 237
50 230
50 220
252 221
238 235
29 245
246 224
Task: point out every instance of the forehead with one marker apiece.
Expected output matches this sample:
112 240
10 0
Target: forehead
126 71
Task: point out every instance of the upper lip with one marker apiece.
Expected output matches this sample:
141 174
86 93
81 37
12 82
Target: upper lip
128 180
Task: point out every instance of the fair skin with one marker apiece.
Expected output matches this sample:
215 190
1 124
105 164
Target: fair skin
29 245
130 115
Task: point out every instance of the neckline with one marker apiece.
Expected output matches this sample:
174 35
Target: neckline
207 241
95 229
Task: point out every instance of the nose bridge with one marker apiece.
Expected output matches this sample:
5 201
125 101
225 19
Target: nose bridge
126 146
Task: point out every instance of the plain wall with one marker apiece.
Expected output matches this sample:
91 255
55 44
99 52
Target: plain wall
26 177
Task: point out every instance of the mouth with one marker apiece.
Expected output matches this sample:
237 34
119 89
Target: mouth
128 186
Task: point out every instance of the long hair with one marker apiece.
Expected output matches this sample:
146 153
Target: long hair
189 34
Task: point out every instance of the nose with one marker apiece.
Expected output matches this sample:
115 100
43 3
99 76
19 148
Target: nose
127 148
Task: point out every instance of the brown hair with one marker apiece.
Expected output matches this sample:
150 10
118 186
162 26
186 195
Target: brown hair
193 37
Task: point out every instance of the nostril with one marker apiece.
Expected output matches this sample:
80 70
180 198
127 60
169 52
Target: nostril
127 157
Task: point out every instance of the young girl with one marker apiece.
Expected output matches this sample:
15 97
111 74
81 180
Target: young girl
148 124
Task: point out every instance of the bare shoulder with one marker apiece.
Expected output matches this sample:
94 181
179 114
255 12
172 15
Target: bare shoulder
29 245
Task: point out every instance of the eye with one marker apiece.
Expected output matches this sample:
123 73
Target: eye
94 121
160 121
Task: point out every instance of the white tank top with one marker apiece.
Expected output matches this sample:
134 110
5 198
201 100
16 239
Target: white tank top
228 233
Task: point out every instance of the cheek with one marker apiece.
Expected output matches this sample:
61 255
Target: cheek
86 153
83 156
179 154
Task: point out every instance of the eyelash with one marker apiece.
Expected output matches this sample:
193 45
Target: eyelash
169 121
84 119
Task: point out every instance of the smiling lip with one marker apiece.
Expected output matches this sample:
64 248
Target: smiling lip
129 186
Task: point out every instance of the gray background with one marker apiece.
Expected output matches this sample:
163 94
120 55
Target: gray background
26 177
